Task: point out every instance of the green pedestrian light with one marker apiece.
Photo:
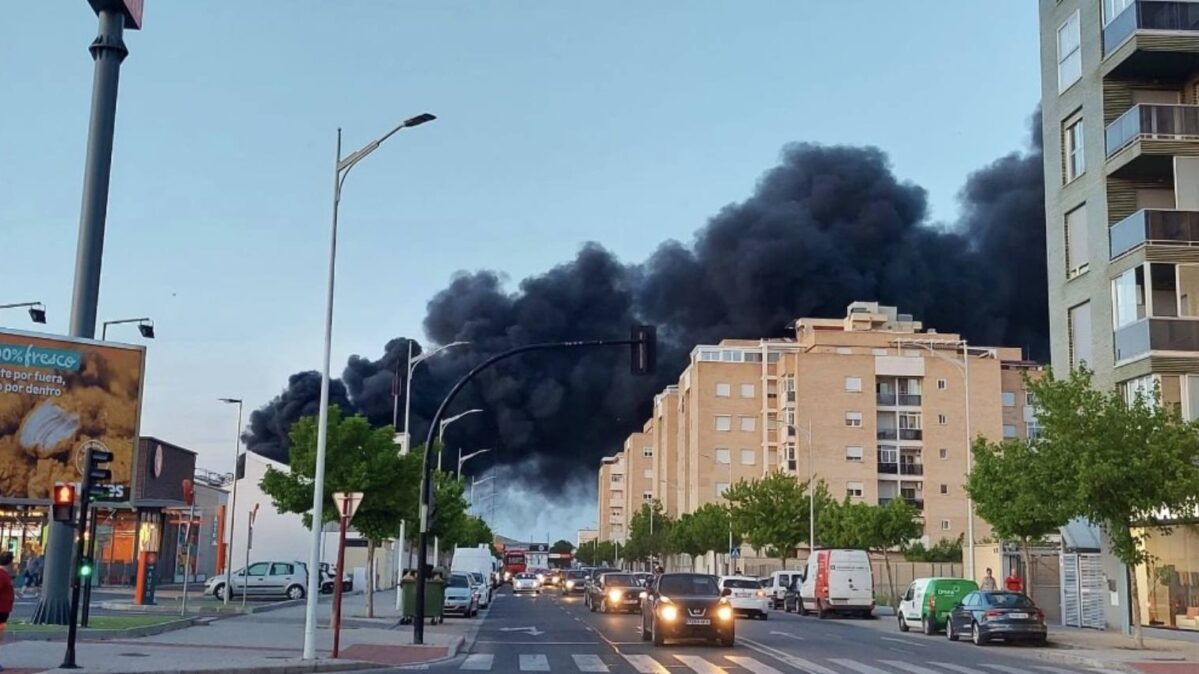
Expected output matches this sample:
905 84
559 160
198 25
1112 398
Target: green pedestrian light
86 566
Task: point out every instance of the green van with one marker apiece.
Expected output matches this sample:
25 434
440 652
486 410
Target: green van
929 601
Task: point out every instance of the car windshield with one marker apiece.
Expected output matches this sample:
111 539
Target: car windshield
477 577
619 580
688 585
457 581
575 575
743 584
1009 600
525 576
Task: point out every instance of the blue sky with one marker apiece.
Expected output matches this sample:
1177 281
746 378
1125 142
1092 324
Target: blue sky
625 123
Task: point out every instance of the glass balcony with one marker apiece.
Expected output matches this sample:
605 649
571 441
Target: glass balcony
909 400
1153 121
910 434
1150 15
911 469
885 399
888 468
1156 334
888 434
917 503
1155 228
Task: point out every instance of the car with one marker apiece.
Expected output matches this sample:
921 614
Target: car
473 560
838 581
553 578
986 616
525 582
791 600
262 579
460 597
541 574
777 584
593 575
482 588
643 578
574 581
687 606
615 593
928 602
747 596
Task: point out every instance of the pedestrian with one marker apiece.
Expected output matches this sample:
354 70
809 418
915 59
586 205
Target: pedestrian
33 574
1013 583
6 592
988 584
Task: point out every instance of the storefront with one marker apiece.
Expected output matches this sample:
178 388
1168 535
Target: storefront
1169 586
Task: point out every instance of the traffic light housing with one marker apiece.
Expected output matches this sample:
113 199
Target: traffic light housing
64 502
86 568
97 476
644 349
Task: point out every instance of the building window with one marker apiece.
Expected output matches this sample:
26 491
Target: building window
944 489
1114 8
748 457
853 489
1009 399
747 390
1079 328
1128 295
1030 399
943 453
1009 430
853 454
1072 145
647 452
724 422
942 384
911 420
616 512
1069 52
722 456
1032 429
945 525
647 496
941 420
853 419
1078 252
853 384
617 478
721 488
724 390
748 424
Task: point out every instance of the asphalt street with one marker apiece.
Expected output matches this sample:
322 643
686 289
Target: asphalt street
550 633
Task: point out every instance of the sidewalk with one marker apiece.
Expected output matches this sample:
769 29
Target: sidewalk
258 644
1164 653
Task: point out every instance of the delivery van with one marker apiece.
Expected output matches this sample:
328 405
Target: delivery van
929 601
838 581
473 560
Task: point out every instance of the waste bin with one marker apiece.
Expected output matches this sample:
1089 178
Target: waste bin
434 601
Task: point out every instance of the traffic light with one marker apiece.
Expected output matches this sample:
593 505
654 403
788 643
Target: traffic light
97 475
644 349
64 502
86 568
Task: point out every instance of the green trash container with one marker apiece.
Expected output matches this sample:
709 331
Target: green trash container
434 601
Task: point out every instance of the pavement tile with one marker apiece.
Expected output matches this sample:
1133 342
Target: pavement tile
1167 667
394 655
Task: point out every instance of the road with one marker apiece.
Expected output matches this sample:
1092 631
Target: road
549 633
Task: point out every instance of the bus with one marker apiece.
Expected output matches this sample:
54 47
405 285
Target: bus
514 563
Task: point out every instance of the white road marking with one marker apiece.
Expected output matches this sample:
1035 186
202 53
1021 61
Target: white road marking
535 662
1062 670
751 664
957 668
797 662
788 635
1008 670
479 662
909 667
857 666
645 664
699 665
589 663
903 641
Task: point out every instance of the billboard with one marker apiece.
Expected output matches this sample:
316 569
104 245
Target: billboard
57 395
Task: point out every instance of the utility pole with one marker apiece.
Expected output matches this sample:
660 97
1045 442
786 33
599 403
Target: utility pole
108 51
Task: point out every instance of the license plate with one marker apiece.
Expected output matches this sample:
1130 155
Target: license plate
698 621
1019 616
632 601
744 594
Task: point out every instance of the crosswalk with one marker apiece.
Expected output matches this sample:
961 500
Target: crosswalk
608 663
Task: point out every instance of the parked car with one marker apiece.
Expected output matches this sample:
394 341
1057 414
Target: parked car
615 593
929 601
479 582
986 616
327 576
574 581
262 579
460 596
748 597
687 606
776 586
525 582
838 581
791 599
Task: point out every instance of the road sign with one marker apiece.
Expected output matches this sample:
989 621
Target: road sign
735 553
347 502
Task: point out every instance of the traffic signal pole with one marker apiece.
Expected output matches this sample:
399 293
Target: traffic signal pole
94 475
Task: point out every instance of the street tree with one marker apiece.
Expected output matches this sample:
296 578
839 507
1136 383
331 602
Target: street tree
562 545
881 529
649 533
1131 467
771 512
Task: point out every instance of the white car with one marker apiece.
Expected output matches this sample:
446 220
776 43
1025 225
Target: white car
479 582
778 583
747 596
525 582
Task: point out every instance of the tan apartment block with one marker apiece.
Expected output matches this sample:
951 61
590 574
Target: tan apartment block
639 477
610 495
668 488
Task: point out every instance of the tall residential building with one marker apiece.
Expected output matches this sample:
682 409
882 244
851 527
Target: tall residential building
1120 105
610 498
667 489
639 474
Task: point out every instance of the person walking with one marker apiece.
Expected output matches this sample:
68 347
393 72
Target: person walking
1013 583
988 584
6 592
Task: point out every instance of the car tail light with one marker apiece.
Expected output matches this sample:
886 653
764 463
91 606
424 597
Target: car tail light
932 604
1040 615
992 614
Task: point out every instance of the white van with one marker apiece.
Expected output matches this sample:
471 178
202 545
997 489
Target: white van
776 586
838 581
473 560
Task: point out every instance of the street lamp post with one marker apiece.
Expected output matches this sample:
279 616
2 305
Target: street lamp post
811 489
144 325
464 459
341 169
441 453
232 518
37 310
729 468
473 483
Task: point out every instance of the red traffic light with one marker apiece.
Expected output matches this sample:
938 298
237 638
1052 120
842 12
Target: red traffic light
64 494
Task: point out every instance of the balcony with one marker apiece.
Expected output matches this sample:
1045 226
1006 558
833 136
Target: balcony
1156 334
1152 227
1143 141
1153 40
886 399
888 434
888 468
911 469
917 503
1179 17
900 399
909 400
911 434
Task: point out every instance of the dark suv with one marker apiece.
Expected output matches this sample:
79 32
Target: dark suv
615 593
687 606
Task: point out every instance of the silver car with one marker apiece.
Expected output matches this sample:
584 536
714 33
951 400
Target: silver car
482 589
460 597
525 582
262 579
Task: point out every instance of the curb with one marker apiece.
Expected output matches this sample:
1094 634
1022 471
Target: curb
293 668
103 634
1088 662
219 610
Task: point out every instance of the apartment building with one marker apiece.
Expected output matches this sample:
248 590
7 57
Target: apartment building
664 428
639 474
610 498
1120 102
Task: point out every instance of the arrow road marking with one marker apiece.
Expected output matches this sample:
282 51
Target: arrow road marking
531 631
788 635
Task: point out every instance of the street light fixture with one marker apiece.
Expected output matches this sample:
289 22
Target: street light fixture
464 459
413 361
441 453
232 501
37 310
341 169
729 467
144 326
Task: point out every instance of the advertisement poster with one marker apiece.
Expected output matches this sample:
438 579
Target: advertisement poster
56 395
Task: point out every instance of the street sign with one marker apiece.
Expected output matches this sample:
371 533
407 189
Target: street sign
735 553
347 502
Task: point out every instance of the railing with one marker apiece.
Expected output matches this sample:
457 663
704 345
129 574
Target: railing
911 434
910 399
888 434
790 396
1150 15
1156 228
888 468
887 399
917 503
911 469
1156 334
1153 121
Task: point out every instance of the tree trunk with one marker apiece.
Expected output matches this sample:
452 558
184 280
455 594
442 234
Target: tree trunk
370 578
890 580
1138 632
1028 569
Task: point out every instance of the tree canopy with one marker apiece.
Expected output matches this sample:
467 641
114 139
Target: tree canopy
771 513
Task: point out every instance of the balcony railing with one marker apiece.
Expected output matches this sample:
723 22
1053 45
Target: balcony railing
888 468
917 503
888 434
1150 15
1153 121
911 434
1155 228
885 399
911 469
1157 334
909 399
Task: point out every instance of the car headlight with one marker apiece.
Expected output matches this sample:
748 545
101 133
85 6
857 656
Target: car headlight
540 578
570 585
725 613
761 593
668 613
614 595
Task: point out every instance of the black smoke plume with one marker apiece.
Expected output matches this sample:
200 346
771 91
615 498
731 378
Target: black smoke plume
827 226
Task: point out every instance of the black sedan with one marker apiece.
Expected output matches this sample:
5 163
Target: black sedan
985 616
791 600
687 606
574 581
615 593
